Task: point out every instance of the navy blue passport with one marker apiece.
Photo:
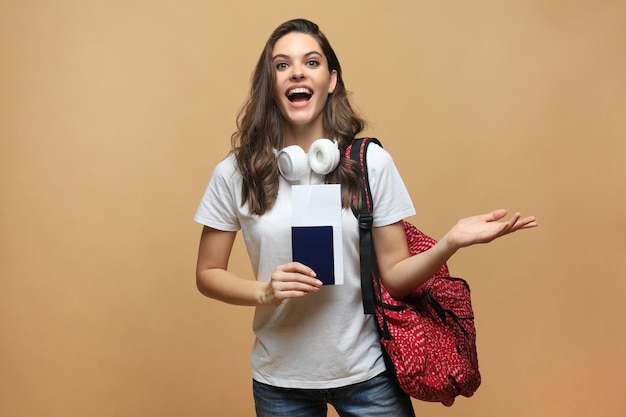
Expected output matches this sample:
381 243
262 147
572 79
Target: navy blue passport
313 247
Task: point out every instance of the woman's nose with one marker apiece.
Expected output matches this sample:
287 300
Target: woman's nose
297 73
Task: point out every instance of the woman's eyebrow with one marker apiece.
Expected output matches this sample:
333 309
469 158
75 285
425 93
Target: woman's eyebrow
285 56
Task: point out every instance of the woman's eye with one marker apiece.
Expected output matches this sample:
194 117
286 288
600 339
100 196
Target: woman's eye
281 65
312 63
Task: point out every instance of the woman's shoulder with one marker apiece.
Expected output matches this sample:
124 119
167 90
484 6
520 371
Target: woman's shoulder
377 156
225 173
227 166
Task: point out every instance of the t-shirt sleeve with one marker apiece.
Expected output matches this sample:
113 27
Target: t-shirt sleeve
392 201
218 207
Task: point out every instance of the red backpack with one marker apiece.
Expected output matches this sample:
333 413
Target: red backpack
428 338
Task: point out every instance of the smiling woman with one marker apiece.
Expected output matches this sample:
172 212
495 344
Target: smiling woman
314 345
303 84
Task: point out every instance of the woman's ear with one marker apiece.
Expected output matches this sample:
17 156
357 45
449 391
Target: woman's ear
333 82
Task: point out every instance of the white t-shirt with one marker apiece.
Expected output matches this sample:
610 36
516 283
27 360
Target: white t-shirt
322 340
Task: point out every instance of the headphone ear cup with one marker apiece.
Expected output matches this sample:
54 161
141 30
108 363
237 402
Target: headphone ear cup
323 156
292 163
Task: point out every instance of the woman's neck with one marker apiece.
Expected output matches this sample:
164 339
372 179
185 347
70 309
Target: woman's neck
302 137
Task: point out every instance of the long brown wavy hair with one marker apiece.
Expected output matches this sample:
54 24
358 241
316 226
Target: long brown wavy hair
259 126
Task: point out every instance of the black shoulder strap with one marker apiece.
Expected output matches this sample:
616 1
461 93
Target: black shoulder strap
369 266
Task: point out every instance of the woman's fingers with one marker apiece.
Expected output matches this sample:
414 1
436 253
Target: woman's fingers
292 280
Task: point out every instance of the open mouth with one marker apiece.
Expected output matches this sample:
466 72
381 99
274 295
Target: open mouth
299 94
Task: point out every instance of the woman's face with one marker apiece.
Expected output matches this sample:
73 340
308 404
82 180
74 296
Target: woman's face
303 82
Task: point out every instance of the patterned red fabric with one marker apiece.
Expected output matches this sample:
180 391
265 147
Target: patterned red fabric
433 337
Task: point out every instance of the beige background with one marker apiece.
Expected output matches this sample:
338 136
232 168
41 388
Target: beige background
113 114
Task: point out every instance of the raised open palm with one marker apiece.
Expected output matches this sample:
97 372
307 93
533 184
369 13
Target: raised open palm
484 228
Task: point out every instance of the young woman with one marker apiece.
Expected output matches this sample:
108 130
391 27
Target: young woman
314 345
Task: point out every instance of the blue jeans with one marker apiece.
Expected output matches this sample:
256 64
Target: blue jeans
378 397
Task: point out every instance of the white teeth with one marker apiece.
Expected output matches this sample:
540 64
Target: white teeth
300 90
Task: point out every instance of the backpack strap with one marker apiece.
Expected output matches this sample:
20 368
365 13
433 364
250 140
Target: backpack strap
357 151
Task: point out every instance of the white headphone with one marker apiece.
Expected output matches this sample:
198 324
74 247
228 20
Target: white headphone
295 164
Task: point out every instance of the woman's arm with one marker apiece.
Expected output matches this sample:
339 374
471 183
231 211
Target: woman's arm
402 273
213 279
